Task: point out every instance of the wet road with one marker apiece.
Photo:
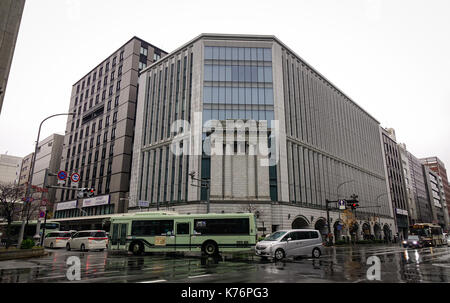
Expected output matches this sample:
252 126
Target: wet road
337 264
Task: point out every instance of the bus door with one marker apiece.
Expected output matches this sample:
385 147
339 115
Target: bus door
183 236
118 236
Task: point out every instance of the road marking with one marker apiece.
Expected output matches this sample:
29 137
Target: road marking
51 277
154 281
442 265
200 276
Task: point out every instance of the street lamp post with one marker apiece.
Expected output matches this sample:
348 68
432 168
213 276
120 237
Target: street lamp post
33 160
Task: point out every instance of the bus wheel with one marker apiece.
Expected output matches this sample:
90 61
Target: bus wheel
210 248
137 248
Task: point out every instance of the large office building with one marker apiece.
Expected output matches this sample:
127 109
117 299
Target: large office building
10 169
396 181
436 195
265 131
25 170
436 165
10 17
99 138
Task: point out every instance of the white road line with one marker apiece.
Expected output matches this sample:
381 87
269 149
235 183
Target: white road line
442 265
200 276
154 281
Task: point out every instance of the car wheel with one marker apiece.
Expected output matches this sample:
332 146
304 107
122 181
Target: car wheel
68 246
82 247
316 253
102 249
210 248
137 248
279 254
51 245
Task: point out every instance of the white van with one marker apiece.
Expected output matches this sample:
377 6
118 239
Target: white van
290 243
57 239
87 240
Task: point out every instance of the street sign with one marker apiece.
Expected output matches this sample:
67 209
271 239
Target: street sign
27 199
61 182
41 214
342 204
143 203
75 177
62 175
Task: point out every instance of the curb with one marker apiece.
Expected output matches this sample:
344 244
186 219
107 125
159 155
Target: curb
22 253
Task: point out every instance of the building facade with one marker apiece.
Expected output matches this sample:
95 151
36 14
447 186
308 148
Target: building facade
437 197
99 138
10 169
25 169
396 181
436 165
268 132
10 17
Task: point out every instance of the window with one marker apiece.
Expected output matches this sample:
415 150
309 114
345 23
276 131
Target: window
142 65
183 229
107 121
221 226
118 86
143 51
114 61
156 57
105 80
98 139
116 101
107 67
115 117
152 228
119 71
121 56
100 124
113 133
105 137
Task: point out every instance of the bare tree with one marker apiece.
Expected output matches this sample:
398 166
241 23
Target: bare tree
10 205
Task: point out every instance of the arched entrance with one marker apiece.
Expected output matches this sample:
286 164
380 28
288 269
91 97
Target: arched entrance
337 230
321 227
387 232
366 231
300 222
354 228
377 231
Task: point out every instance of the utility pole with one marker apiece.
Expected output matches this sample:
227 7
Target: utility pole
204 183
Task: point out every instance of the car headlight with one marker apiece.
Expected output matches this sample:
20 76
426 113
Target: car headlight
414 242
404 242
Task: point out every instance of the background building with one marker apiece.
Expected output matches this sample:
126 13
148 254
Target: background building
99 139
396 181
25 169
10 169
231 77
436 165
436 194
10 17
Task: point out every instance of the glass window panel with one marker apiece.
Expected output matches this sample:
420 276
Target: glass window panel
254 95
208 52
235 114
267 54
235 73
269 115
241 73
222 114
268 74
260 54
215 94
235 98
254 70
208 72
269 96
216 52
260 95
221 72
248 95
248 114
215 114
228 53
247 54
241 95
207 90
262 115
215 72
255 115
222 53
260 74
234 53
248 74
221 94
228 73
241 114
228 95
253 54
228 114
241 53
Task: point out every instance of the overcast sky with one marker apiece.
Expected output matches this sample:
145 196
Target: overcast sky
391 57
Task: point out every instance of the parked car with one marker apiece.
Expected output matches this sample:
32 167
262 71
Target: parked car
289 243
57 239
88 240
413 241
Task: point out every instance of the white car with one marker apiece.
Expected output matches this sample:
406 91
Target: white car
57 239
88 240
290 243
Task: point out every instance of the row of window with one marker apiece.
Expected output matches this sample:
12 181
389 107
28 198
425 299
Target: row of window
237 95
100 125
97 98
250 114
238 73
238 53
87 211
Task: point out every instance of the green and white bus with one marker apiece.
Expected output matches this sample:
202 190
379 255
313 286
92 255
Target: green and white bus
171 232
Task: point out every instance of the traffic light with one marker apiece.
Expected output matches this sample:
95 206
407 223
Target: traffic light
90 192
81 193
353 203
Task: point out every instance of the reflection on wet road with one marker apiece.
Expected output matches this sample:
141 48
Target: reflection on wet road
337 264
